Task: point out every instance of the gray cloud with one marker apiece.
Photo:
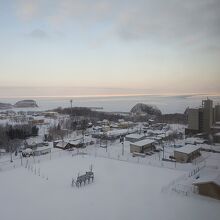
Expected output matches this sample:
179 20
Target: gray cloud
187 22
171 21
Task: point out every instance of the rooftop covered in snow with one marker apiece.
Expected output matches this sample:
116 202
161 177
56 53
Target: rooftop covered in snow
187 149
213 177
135 136
144 142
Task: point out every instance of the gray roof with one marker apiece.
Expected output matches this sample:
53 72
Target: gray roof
209 178
188 149
144 142
135 136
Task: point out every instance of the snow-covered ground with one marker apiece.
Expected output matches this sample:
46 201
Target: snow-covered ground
125 187
121 190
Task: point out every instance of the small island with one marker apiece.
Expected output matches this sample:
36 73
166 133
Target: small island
5 106
26 104
19 104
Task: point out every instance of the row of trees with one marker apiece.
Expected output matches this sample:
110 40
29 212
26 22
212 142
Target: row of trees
88 113
61 130
12 135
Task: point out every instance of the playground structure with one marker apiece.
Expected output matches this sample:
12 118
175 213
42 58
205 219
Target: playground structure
87 177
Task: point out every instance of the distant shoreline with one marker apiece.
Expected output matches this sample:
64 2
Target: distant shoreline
112 96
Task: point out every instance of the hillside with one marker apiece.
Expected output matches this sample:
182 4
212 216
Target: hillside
141 108
26 104
5 106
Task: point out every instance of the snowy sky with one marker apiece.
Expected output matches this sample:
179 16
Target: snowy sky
110 46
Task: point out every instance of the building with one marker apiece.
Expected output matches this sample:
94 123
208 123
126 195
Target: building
36 121
142 146
187 153
209 185
2 152
194 141
201 119
65 145
216 127
217 113
216 137
76 143
193 119
61 145
207 106
134 137
41 151
29 143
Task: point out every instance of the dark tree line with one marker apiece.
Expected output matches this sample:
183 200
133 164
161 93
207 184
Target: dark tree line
88 113
21 131
59 132
93 116
15 133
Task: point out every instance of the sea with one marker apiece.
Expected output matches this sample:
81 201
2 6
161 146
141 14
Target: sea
167 104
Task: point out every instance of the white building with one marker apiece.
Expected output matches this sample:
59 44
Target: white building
142 146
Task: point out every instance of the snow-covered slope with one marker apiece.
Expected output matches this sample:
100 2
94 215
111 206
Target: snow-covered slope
121 190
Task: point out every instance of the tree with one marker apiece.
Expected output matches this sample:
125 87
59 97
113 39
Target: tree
34 130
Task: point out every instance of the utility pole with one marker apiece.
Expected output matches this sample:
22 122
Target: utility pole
106 144
21 158
122 143
71 106
163 151
11 154
123 148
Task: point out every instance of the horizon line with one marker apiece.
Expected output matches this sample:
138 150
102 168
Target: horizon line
114 95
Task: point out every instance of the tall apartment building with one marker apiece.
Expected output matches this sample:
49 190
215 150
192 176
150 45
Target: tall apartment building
217 113
201 119
207 106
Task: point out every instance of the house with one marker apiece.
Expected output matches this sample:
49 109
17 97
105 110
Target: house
50 114
209 185
41 151
158 139
97 128
36 121
142 146
186 153
29 143
105 122
124 124
105 128
194 141
2 152
134 137
76 143
62 145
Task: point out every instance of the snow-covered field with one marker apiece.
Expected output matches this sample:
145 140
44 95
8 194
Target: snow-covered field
121 190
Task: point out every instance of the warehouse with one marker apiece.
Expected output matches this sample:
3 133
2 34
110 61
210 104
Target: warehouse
41 151
134 137
187 153
209 185
142 146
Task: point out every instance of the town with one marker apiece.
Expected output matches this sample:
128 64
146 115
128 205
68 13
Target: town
135 137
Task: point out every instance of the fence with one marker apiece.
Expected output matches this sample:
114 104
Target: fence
177 185
20 161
